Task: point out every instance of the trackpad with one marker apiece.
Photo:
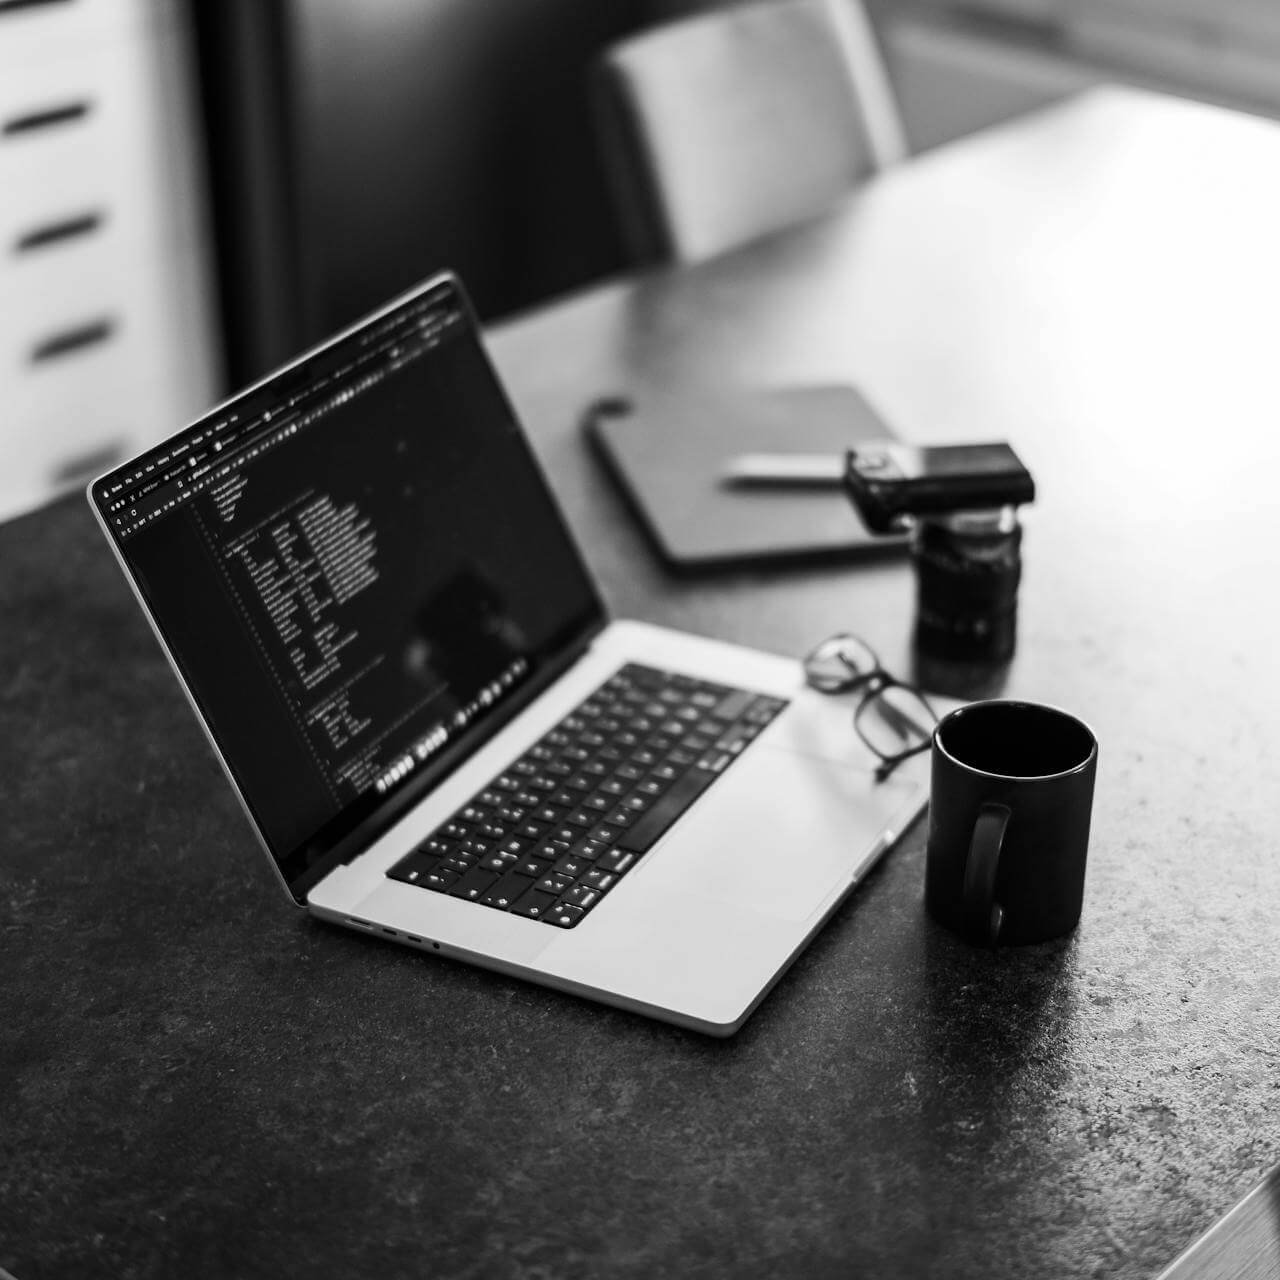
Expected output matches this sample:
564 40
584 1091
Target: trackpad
778 833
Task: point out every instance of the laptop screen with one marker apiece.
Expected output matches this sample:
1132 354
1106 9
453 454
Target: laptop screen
357 569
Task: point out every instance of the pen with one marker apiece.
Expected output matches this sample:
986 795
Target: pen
779 469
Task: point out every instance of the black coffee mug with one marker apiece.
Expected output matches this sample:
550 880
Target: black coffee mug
1009 809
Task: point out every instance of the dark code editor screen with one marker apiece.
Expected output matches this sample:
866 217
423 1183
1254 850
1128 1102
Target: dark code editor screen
353 566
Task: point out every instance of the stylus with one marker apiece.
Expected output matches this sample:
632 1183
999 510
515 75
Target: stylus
784 469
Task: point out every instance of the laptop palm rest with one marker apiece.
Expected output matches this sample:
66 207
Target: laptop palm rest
826 822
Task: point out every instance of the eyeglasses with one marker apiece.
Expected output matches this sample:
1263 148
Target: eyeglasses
894 719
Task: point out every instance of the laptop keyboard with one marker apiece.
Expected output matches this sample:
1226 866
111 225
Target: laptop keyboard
550 836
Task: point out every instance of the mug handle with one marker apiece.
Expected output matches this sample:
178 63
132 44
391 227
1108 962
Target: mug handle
984 913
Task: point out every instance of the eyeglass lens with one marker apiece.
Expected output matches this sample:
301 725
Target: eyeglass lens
840 663
895 720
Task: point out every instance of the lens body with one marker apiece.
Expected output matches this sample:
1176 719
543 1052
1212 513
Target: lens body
968 565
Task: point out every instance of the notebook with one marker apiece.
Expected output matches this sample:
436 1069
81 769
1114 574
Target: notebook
670 453
367 590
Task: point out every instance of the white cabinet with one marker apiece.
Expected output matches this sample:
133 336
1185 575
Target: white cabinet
107 336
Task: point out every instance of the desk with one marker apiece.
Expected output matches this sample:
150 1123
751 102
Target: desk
199 1081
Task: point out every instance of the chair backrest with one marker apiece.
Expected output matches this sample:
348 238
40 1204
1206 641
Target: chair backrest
725 126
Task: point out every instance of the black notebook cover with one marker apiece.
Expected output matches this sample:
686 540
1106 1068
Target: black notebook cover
669 454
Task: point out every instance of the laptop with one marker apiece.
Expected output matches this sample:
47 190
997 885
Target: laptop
376 608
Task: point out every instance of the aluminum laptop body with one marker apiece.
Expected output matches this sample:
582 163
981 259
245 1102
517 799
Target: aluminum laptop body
373 603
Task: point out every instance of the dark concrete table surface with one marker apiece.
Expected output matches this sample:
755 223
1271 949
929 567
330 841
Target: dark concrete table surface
198 1080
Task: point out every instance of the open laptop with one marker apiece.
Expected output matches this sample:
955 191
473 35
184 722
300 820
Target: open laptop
368 592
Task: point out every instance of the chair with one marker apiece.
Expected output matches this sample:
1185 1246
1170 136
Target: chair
728 125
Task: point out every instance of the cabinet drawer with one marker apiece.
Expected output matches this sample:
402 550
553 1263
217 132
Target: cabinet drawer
106 355
34 33
106 150
103 403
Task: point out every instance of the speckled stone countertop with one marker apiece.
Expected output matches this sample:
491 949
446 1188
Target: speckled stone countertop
198 1080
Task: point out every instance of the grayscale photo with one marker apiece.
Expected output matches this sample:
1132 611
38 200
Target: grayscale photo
637 639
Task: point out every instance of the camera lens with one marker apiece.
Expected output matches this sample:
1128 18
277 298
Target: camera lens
968 565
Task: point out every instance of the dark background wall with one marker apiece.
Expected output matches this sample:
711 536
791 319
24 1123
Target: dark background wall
354 148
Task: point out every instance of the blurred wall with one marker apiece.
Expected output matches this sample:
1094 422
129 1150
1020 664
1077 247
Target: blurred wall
357 147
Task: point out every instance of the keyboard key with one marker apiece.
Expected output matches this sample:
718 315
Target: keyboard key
413 868
564 916
506 891
638 676
731 706
534 904
553 883
475 883
654 824
733 740
572 866
618 860
763 709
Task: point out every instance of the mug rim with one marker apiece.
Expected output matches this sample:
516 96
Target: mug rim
957 712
